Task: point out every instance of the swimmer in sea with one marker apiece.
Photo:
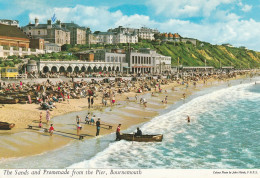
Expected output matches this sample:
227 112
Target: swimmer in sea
188 119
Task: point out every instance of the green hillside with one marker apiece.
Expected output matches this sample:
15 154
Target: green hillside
214 55
189 54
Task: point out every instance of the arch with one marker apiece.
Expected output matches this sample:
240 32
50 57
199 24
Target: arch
95 69
76 69
109 69
99 69
62 69
83 69
69 69
89 69
105 68
54 69
113 68
117 68
45 69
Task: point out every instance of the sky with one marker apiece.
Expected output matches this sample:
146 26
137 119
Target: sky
216 21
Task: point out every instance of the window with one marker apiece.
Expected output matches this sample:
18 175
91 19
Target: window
133 59
138 59
39 32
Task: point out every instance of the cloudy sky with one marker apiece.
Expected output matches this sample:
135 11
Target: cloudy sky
216 21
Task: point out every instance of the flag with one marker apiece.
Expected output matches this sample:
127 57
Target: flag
53 19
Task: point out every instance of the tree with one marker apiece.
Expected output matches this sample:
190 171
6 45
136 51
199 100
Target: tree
66 47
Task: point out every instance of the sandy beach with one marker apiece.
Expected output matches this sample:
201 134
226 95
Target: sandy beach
21 141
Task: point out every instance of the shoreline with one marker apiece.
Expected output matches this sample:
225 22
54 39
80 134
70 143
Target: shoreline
147 114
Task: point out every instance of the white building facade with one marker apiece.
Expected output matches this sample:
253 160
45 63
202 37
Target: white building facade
148 61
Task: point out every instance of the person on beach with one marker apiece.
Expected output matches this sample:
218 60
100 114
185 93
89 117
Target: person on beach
98 126
92 120
92 100
118 132
21 84
78 128
136 97
165 99
51 129
48 116
40 124
144 102
184 95
87 119
78 119
113 100
188 119
89 102
40 116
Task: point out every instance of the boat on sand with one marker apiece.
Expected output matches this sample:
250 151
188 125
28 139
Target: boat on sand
6 126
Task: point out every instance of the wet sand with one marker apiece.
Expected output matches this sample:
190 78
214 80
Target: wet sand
24 142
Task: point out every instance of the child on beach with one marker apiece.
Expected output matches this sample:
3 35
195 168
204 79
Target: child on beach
51 130
92 120
87 119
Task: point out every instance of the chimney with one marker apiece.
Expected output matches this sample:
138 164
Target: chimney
49 24
36 22
58 23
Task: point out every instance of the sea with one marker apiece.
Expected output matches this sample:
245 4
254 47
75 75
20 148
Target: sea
224 133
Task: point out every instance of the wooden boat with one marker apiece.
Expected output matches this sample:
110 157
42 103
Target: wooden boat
6 126
142 138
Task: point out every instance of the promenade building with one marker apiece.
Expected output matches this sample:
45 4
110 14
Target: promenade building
148 61
54 33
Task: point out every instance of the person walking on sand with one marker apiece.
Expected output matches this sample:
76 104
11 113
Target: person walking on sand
98 126
51 130
78 128
118 132
48 116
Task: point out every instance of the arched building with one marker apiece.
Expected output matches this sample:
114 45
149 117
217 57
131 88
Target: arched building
78 66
